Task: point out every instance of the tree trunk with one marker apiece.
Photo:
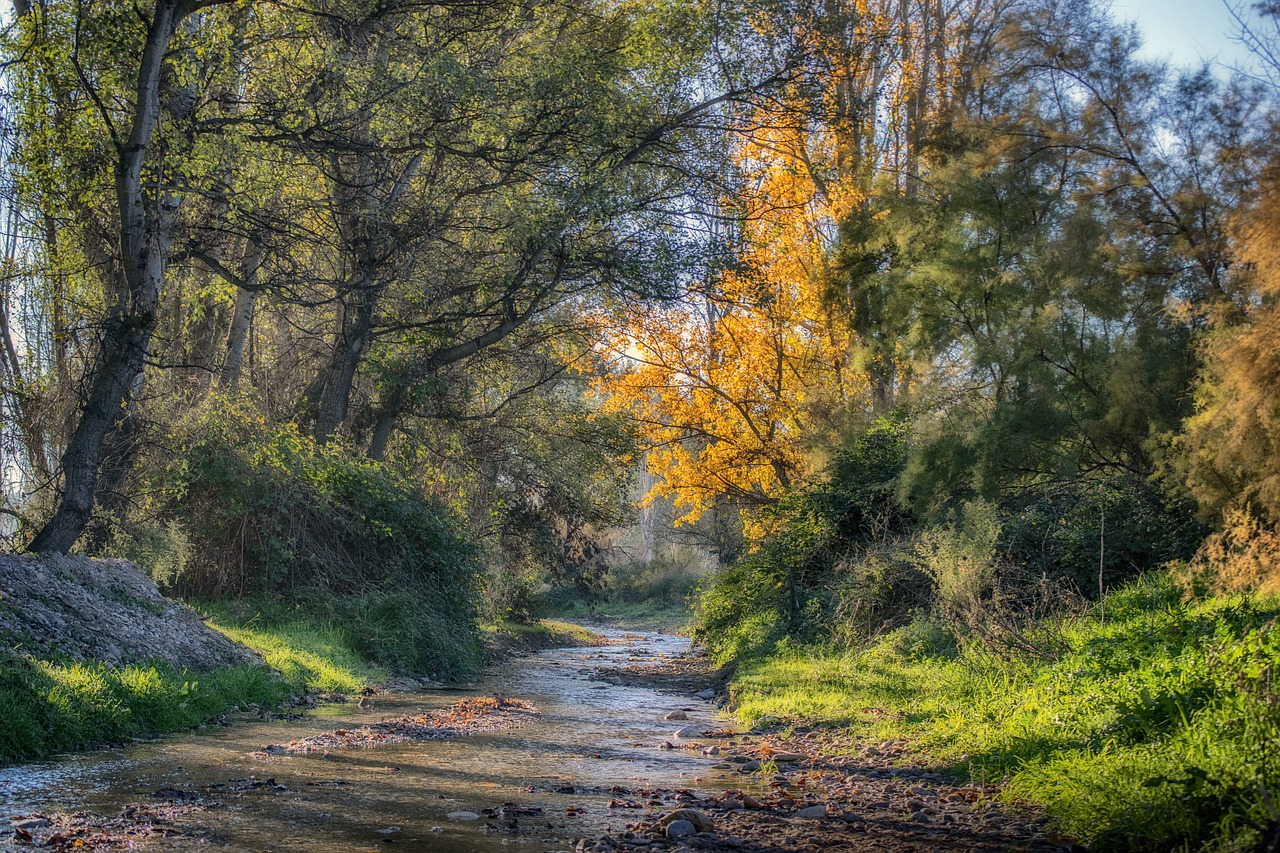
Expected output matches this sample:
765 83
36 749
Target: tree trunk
382 430
241 317
354 326
146 229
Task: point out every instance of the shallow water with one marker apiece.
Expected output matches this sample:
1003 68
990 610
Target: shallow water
590 738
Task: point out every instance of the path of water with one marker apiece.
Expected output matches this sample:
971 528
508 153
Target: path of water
592 739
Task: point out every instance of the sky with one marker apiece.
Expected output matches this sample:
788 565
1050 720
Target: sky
1185 31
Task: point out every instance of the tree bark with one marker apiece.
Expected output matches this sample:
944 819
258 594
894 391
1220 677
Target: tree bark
241 318
146 230
355 322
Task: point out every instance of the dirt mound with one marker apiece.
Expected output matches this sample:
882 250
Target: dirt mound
106 610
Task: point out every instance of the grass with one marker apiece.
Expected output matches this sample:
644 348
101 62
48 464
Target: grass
310 657
511 638
50 706
55 706
642 596
1157 728
637 615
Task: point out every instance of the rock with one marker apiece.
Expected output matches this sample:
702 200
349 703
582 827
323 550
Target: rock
711 750
30 823
750 802
707 694
462 815
686 732
749 767
680 828
676 715
788 757
698 820
812 812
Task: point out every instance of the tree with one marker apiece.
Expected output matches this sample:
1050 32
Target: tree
147 199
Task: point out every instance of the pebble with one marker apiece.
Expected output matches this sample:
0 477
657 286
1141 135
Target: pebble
676 715
687 732
706 695
679 828
462 815
812 812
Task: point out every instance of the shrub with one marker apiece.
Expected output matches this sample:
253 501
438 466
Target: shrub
1244 554
271 513
1056 531
791 584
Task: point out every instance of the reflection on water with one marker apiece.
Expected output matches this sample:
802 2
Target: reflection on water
591 738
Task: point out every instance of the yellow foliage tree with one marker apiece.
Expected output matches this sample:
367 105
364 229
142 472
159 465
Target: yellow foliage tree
726 383
730 383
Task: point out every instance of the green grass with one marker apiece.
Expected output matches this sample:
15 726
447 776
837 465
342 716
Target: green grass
1158 728
52 706
508 638
308 656
55 706
637 615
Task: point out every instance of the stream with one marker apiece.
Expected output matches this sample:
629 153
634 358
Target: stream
594 744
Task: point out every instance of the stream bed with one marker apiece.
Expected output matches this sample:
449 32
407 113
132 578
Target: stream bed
581 769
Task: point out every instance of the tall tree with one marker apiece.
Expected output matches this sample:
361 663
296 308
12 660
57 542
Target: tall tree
147 196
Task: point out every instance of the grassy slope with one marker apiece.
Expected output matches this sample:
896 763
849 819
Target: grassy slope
514 638
1157 727
52 706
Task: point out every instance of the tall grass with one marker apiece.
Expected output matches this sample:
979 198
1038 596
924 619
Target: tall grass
1156 728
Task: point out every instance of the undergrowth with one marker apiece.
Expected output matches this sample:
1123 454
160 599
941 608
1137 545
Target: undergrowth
1152 727
53 706
308 656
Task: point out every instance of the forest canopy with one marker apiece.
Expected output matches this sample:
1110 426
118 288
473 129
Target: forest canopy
287 282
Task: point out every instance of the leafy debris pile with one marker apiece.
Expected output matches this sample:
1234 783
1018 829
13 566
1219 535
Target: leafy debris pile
467 717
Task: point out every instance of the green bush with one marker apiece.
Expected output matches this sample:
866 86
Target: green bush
817 565
1057 531
270 513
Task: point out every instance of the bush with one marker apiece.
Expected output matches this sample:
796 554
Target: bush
792 584
1056 531
879 589
271 513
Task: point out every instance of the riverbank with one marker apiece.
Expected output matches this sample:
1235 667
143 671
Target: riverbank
328 780
1148 723
94 655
